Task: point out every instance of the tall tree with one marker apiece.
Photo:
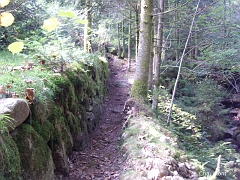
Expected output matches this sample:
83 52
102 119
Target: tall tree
123 39
88 28
137 28
129 40
140 85
119 41
158 55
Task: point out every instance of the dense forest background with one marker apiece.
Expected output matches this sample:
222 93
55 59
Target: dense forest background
201 77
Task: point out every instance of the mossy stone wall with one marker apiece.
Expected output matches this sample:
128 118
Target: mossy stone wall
59 123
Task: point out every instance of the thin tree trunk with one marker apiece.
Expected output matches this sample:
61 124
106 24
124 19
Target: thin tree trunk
180 65
137 31
158 56
119 42
225 18
176 34
123 40
155 32
129 40
150 77
88 29
196 49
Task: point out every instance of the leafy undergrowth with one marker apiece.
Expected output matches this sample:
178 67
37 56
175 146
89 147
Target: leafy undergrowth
39 78
39 72
153 150
194 141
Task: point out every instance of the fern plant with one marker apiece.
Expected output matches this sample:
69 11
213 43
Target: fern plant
5 122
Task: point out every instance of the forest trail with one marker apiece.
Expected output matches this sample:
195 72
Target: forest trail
102 159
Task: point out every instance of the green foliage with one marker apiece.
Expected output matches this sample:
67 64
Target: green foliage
5 122
193 137
222 59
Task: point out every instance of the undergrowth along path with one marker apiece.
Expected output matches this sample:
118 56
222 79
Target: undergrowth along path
102 159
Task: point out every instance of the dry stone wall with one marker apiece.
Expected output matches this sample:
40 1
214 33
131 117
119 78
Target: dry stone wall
42 143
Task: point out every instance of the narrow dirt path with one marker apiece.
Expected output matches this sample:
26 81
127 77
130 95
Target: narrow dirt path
102 160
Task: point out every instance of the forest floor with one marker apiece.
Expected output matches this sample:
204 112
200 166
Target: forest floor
102 158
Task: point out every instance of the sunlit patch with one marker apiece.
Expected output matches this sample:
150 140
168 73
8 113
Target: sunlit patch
130 81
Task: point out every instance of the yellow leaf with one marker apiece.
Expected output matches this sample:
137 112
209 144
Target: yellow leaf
16 47
6 19
50 24
4 3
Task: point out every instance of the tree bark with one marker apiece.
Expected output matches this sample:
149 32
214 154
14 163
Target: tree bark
158 57
129 40
176 34
123 40
88 28
140 85
137 30
119 42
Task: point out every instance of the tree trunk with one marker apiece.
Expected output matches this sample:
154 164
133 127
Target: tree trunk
129 40
88 29
158 57
150 77
176 34
123 40
196 48
119 42
140 85
137 31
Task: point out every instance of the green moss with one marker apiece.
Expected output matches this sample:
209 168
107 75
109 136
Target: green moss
10 166
42 109
73 123
34 152
74 78
44 129
62 134
56 115
74 108
57 112
139 90
70 95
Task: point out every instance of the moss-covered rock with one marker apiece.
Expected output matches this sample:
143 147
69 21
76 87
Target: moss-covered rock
10 166
44 129
35 155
